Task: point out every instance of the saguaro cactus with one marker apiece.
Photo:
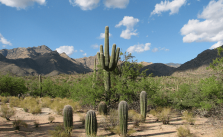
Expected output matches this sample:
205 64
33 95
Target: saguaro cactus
108 63
94 75
143 104
68 118
123 117
102 108
40 83
91 123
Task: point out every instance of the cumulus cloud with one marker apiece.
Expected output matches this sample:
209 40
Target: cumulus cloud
102 35
81 51
129 22
155 50
85 54
209 30
116 3
66 49
139 48
4 41
85 4
95 46
173 6
22 4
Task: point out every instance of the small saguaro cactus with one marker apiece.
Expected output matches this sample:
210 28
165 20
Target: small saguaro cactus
68 118
143 104
123 117
91 124
102 108
40 87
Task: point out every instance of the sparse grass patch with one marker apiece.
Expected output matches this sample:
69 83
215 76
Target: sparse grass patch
17 123
6 112
59 131
51 118
164 115
4 99
183 132
46 101
82 118
137 118
188 116
30 105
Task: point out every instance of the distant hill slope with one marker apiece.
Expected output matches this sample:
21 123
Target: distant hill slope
42 60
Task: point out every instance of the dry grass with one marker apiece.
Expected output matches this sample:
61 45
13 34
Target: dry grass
136 117
14 101
219 133
51 119
18 123
188 116
183 132
7 112
59 131
4 99
46 101
31 105
164 115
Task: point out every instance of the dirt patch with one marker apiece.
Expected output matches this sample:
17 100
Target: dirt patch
203 127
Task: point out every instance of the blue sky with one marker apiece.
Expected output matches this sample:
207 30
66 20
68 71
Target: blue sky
157 31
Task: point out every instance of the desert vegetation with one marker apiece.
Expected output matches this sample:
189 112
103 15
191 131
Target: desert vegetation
125 96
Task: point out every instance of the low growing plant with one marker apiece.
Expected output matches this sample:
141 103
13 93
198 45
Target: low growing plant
59 131
7 112
164 116
18 123
188 116
183 132
51 118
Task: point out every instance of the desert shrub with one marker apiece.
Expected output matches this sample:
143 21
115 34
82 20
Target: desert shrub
18 123
82 118
59 131
153 112
46 101
188 116
183 132
14 102
136 117
51 118
30 104
4 99
6 112
36 124
164 115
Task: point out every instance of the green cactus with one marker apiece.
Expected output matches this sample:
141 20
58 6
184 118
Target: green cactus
143 104
102 108
123 117
94 75
40 87
108 63
91 123
68 118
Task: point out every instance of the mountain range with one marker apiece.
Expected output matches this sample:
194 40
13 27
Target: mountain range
42 60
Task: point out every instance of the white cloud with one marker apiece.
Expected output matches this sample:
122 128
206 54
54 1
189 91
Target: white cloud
4 41
102 35
139 48
22 4
81 51
3 46
67 49
218 44
129 22
85 4
116 3
209 30
95 46
155 50
173 6
85 54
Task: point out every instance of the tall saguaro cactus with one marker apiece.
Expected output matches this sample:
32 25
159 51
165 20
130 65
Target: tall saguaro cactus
143 104
108 63
40 87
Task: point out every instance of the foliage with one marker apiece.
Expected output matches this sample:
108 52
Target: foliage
188 116
11 85
51 118
59 131
164 116
14 102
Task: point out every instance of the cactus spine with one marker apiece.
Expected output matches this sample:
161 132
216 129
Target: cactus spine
108 63
143 104
123 117
68 118
102 108
40 87
91 123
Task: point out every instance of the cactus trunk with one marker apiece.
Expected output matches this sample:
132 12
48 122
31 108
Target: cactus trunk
123 117
143 104
91 124
68 118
